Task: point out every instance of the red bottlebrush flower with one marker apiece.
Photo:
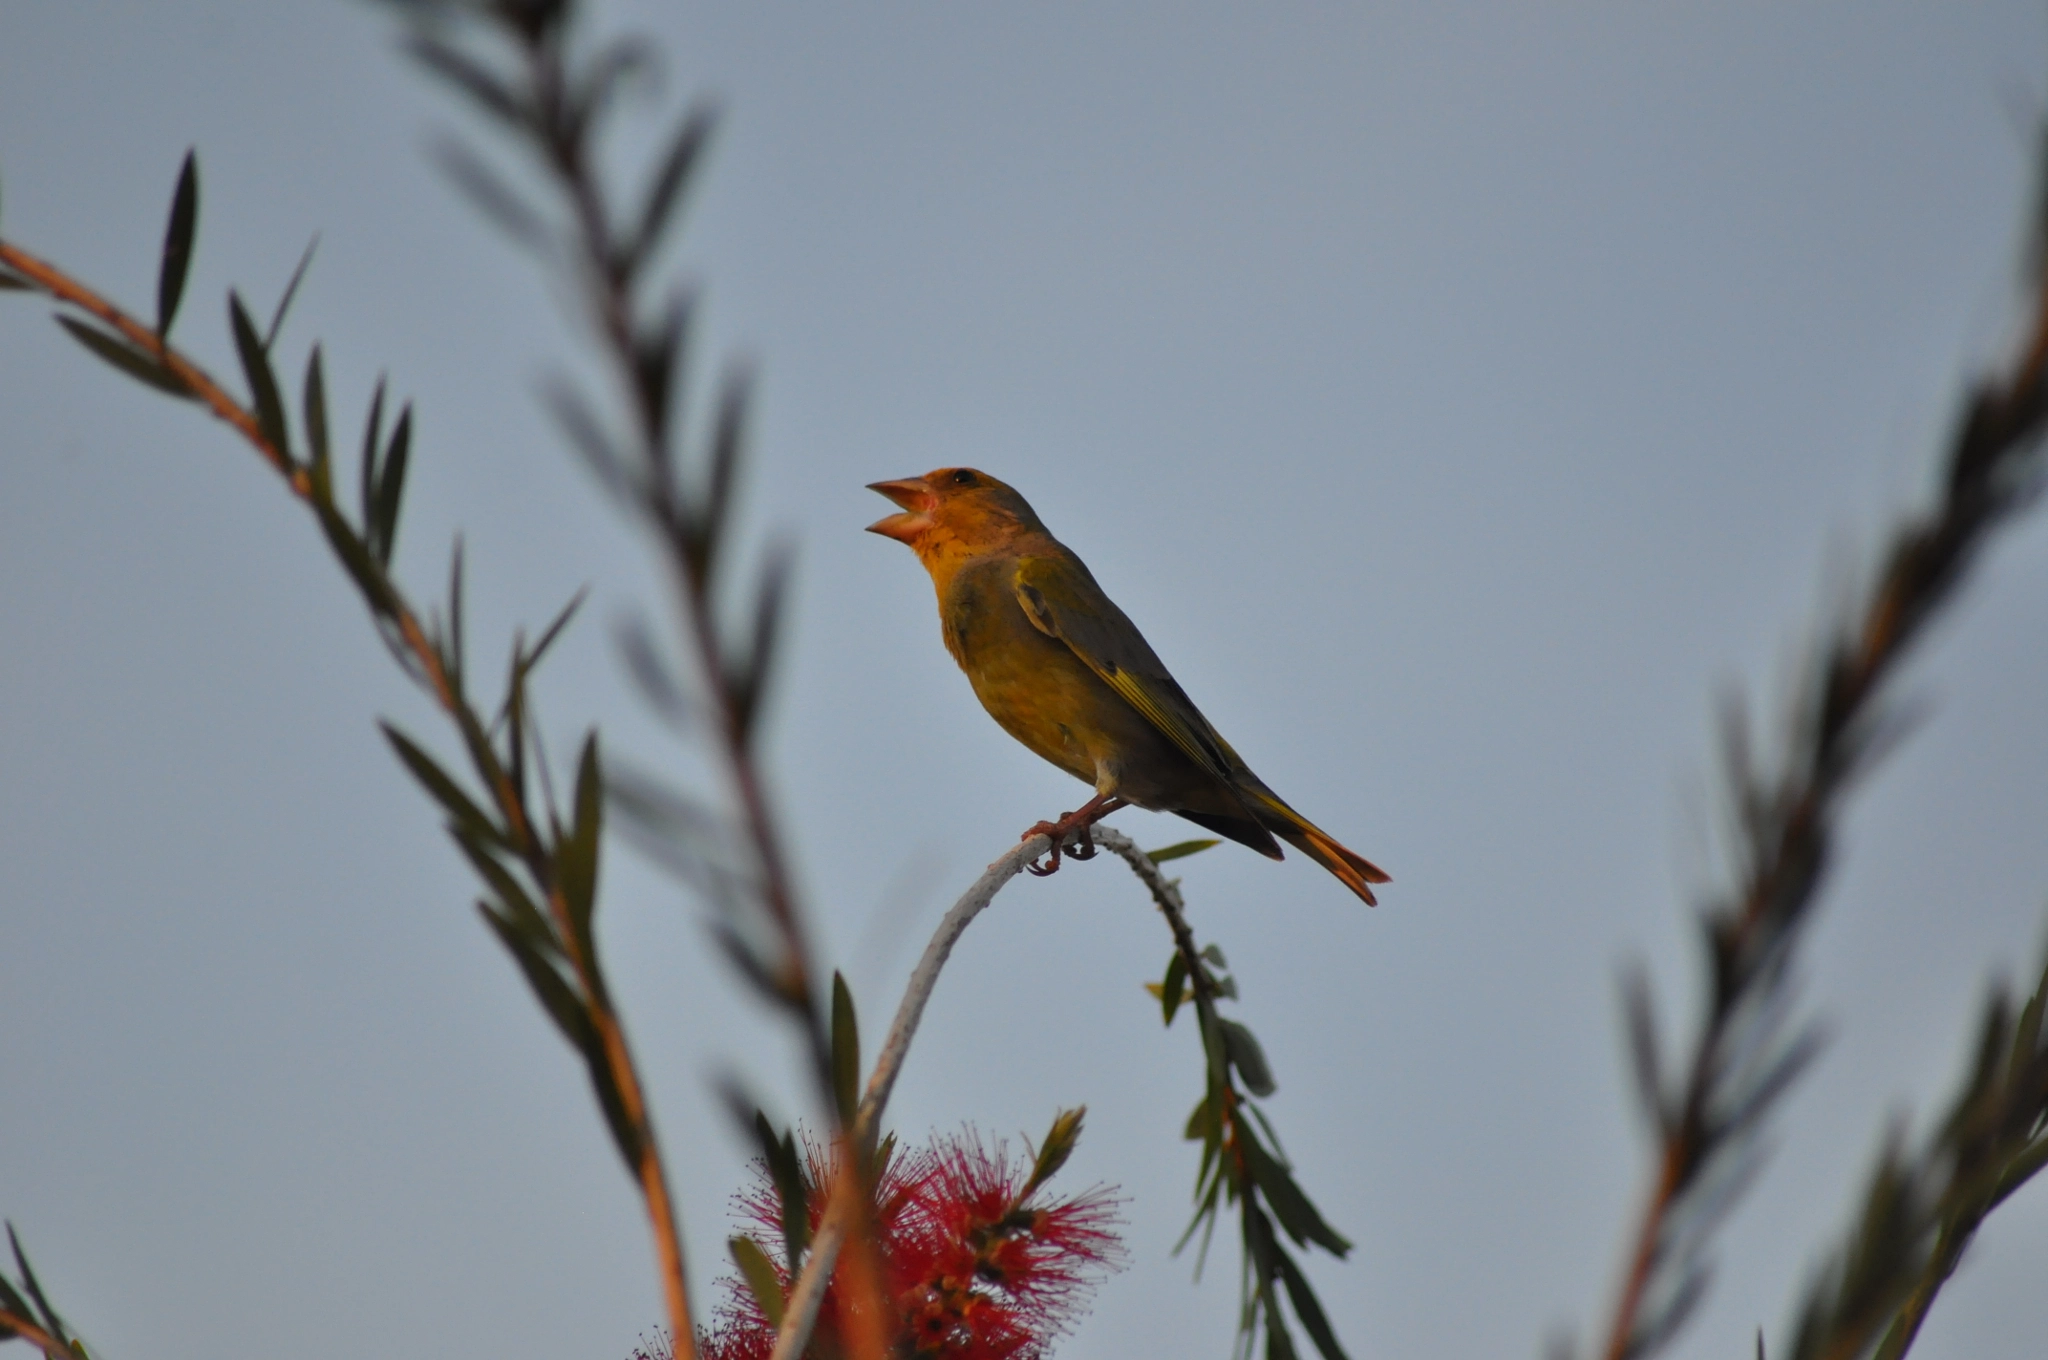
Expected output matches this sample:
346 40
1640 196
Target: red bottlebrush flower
979 1263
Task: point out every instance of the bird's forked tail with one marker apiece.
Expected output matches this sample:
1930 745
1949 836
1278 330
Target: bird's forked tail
1352 869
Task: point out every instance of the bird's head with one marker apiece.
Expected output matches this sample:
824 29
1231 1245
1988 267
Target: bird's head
953 511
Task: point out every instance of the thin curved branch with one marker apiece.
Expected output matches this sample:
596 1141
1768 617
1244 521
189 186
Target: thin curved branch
14 1327
800 1315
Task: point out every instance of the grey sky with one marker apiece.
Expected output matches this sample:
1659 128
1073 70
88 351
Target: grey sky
1459 396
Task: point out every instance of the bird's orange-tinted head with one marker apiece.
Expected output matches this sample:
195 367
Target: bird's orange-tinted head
953 512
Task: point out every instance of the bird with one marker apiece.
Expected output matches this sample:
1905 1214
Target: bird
1065 672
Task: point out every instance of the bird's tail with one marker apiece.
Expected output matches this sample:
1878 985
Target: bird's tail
1352 869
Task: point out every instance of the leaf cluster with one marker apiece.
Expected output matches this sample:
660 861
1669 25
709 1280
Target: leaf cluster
1242 1164
536 855
1921 1208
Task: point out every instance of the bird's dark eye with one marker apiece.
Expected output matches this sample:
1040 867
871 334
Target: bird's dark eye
964 478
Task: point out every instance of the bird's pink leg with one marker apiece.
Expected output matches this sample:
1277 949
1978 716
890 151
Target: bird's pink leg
1073 823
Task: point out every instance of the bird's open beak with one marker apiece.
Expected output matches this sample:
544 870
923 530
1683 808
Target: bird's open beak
915 495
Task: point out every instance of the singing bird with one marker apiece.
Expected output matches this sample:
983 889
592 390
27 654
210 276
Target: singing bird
1065 672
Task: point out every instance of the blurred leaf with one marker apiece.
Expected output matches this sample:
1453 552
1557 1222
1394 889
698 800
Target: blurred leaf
373 443
657 361
1214 954
1299 1217
315 411
51 1322
554 629
576 856
490 94
11 282
492 196
657 681
1052 1154
1640 1016
759 1274
603 74
568 1010
786 1169
291 290
517 905
1180 850
1306 1306
751 686
728 440
262 382
391 486
1262 1250
665 191
845 1051
1174 988
177 256
586 434
1247 1057
445 791
125 357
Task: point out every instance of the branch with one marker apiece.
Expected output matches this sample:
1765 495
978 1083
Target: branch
1784 815
801 1315
432 656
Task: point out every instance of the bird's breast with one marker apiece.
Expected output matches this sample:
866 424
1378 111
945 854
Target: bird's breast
1040 691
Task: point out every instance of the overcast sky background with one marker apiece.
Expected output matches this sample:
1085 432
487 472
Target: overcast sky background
1460 396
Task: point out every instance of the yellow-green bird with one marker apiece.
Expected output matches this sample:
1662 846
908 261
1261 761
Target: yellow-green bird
1065 672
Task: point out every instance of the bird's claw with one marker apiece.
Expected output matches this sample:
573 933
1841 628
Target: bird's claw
1074 824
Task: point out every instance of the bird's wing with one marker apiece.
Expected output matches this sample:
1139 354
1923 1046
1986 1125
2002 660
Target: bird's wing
1062 600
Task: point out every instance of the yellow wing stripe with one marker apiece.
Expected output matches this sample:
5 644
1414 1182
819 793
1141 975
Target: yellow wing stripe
1134 692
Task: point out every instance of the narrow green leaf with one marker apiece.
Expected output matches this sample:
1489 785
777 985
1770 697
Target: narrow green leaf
373 441
786 1169
1299 1217
1248 1058
2017 1172
391 484
1174 989
513 900
556 997
759 1274
1181 850
625 1135
1307 1306
291 290
315 403
455 656
51 1322
579 852
131 361
177 257
262 382
554 629
442 787
845 1051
